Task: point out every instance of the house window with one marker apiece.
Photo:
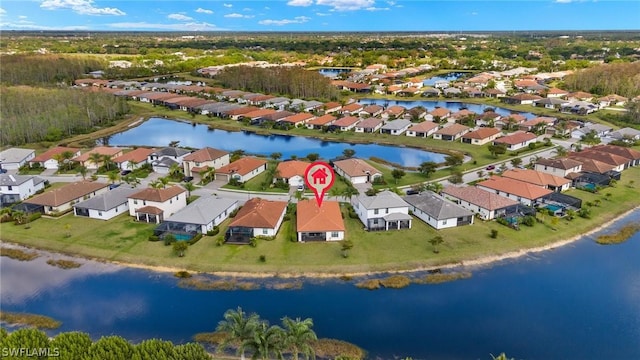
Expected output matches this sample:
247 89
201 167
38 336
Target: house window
170 201
99 213
10 187
144 202
444 222
386 211
334 234
265 231
375 221
375 211
135 202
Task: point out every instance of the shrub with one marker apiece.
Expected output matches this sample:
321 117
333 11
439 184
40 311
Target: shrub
234 212
494 233
502 221
219 241
182 274
195 239
154 238
34 216
253 242
263 258
529 220
169 239
214 231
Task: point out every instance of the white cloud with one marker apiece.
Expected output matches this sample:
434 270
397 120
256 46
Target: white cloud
563 1
191 26
238 16
474 13
227 5
300 2
204 11
82 7
179 17
30 25
296 20
323 14
22 17
2 11
373 8
347 5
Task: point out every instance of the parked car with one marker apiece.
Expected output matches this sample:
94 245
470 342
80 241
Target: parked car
187 178
301 188
413 192
491 167
2 171
125 172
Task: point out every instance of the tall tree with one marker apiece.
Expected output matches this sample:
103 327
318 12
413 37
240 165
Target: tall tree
397 174
436 241
349 153
267 341
240 329
427 168
299 337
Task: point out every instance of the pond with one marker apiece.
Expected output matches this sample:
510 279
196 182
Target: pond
453 106
452 76
160 132
333 72
581 301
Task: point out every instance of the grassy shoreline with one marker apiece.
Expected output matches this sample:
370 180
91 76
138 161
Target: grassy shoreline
123 241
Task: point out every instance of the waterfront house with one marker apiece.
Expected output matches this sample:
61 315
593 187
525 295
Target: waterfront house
346 123
631 154
199 217
154 205
331 107
63 198
517 140
452 132
525 193
558 167
440 113
481 136
14 158
370 125
520 99
107 205
257 217
550 103
351 109
242 170
540 122
291 172
297 119
323 223
383 211
200 160
372 110
599 130
319 122
163 159
508 122
437 211
133 159
485 204
356 171
396 127
15 188
106 151
393 112
49 158
546 180
423 129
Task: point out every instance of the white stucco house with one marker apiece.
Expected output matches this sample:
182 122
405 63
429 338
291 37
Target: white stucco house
14 158
15 188
154 205
384 211
437 211
107 205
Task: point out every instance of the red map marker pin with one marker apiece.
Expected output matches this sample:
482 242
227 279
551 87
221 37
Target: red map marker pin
319 177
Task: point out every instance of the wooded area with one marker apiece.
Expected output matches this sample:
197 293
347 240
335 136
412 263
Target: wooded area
616 78
44 70
36 114
291 82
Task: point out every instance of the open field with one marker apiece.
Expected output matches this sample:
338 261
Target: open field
123 240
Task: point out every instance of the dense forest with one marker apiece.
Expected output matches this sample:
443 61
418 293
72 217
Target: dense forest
45 70
617 78
50 114
293 82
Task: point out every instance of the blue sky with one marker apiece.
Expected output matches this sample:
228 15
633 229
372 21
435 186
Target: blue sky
319 15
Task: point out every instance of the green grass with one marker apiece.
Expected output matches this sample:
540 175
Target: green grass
256 184
122 239
37 321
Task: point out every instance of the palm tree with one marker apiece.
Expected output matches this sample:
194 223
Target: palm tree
107 162
239 327
517 161
349 192
175 171
64 159
275 156
299 336
189 187
436 187
267 340
83 171
560 151
113 176
156 184
95 158
164 181
208 175
435 241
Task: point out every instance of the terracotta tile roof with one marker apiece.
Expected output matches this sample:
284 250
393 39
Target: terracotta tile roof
352 107
49 154
157 195
332 105
355 167
516 118
607 158
193 102
102 150
290 168
562 163
462 113
160 96
242 166
556 91
591 165
241 110
371 109
453 129
494 91
515 187
259 213
278 115
370 123
205 154
150 210
424 126
625 152
580 95
525 83
517 137
259 113
479 197
536 177
311 218
322 120
261 98
524 97
347 121
395 110
440 112
66 193
297 118
177 99
135 155
481 133
539 120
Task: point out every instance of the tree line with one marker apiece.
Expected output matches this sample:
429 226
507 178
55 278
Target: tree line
45 70
293 82
616 78
41 114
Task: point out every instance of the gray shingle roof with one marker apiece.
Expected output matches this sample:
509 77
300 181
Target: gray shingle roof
436 206
171 151
383 200
397 124
14 155
108 200
15 180
202 211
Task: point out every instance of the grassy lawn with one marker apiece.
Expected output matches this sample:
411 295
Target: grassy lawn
255 184
122 239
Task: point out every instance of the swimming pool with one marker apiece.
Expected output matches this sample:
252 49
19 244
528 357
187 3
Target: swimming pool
554 208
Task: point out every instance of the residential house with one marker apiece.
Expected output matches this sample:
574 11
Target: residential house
255 115
625 134
48 159
393 112
487 205
384 211
451 91
579 96
540 122
321 121
555 93
63 198
452 132
200 160
154 205
600 130
462 115
319 223
107 205
437 211
543 179
612 100
162 160
14 158
511 121
372 110
440 113
346 123
351 109
430 92
242 170
416 113
488 118
291 172
494 93
298 119
525 193
559 167
258 217
331 107
199 217
579 107
481 136
550 103
516 140
396 127
15 188
423 129
591 165
133 159
356 171
618 162
631 154
370 125
520 99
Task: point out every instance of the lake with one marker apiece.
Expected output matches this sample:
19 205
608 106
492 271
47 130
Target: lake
581 301
333 72
160 132
452 76
454 106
